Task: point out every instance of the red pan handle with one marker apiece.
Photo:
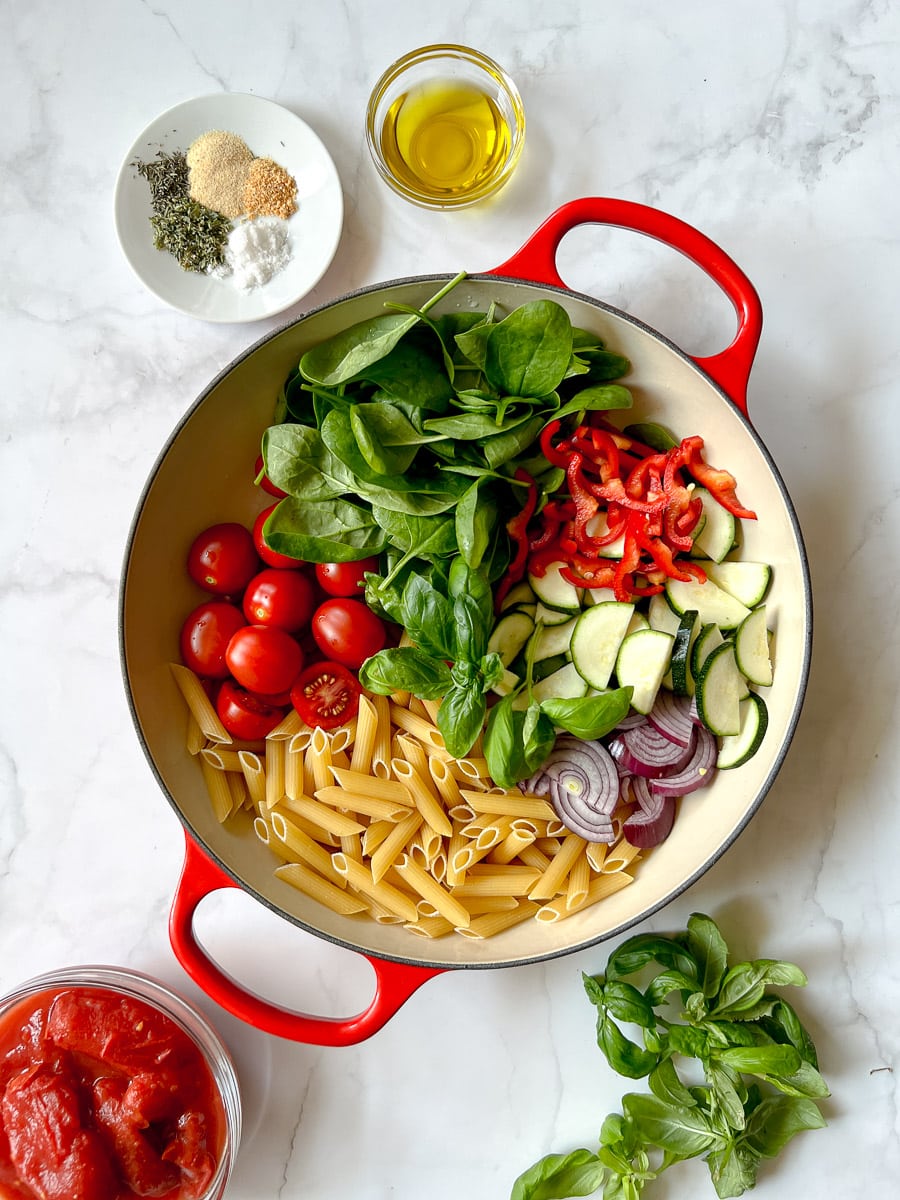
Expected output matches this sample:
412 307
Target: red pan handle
394 982
536 261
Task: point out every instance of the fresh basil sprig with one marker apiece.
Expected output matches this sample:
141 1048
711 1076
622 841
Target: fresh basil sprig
451 626
762 1081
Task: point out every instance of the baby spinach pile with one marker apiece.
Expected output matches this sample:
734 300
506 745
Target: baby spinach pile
401 436
762 1081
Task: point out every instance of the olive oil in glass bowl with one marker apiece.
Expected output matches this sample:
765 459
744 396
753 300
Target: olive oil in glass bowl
445 126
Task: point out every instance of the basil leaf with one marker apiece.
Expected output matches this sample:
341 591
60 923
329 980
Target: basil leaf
464 581
777 1119
685 1132
528 352
626 1003
667 982
733 1169
323 531
405 669
728 1088
744 985
761 1060
783 1024
709 951
666 1085
503 748
492 670
461 718
475 520
539 737
805 1081
644 948
592 717
559 1176
428 617
471 632
621 1053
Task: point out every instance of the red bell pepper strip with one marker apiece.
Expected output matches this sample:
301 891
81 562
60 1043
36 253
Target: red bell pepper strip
587 573
557 456
721 485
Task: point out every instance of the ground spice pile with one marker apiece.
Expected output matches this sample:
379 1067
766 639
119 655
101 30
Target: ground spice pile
269 191
219 163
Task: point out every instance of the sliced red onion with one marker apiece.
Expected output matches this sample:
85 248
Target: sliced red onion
632 720
695 712
653 821
699 771
582 783
671 716
645 751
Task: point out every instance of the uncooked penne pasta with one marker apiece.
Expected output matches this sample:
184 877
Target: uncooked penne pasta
618 857
238 790
221 759
383 857
385 894
199 704
381 748
420 727
578 883
319 756
596 855
364 739
219 792
492 923
511 847
502 881
601 887
553 879
289 727
339 900
383 810
343 737
329 818
367 785
254 777
508 804
304 848
430 927
293 771
424 798
275 753
429 889
194 738
447 787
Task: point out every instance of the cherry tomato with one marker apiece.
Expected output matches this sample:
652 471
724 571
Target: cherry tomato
326 694
223 559
246 716
346 578
348 631
205 635
265 482
285 599
264 659
272 557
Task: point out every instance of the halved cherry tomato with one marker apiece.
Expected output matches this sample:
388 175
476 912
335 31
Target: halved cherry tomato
205 635
272 557
265 482
348 631
264 659
326 695
345 578
223 559
285 599
246 716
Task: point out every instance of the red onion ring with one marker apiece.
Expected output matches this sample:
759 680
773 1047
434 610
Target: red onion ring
645 751
671 716
698 772
582 783
652 823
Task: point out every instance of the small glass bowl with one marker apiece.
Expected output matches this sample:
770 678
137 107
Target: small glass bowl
445 126
141 987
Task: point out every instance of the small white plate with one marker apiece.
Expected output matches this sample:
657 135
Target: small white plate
315 228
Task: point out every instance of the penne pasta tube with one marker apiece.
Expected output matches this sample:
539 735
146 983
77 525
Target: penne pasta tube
447 787
456 871
199 704
429 889
553 879
275 752
381 749
383 893
338 899
194 738
620 856
432 707
383 810
303 847
492 923
218 790
383 857
328 818
511 846
343 737
601 887
221 759
430 927
364 738
319 757
533 856
293 771
238 790
288 727
254 777
508 804
420 727
300 741
578 883
423 797
502 881
474 768
596 855
380 789
375 834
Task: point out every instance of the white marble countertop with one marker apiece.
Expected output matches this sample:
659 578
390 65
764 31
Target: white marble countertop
770 126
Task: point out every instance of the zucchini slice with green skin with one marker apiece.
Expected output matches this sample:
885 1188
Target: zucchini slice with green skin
751 648
738 748
711 602
551 616
518 595
564 684
641 664
553 640
720 689
709 637
509 636
596 639
661 615
716 535
746 581
554 591
687 631
598 595
507 683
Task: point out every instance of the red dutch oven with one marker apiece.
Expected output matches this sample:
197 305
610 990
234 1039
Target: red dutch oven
202 477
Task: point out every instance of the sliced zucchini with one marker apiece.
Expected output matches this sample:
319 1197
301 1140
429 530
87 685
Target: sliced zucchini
518 595
547 666
642 661
716 535
719 692
528 609
746 581
564 684
554 639
551 616
751 648
737 748
598 526
661 614
706 641
596 639
554 591
638 621
509 636
687 631
600 595
507 683
711 602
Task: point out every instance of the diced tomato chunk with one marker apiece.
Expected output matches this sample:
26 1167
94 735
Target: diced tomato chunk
122 1033
139 1163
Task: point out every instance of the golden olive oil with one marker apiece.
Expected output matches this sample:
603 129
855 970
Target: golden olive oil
445 138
